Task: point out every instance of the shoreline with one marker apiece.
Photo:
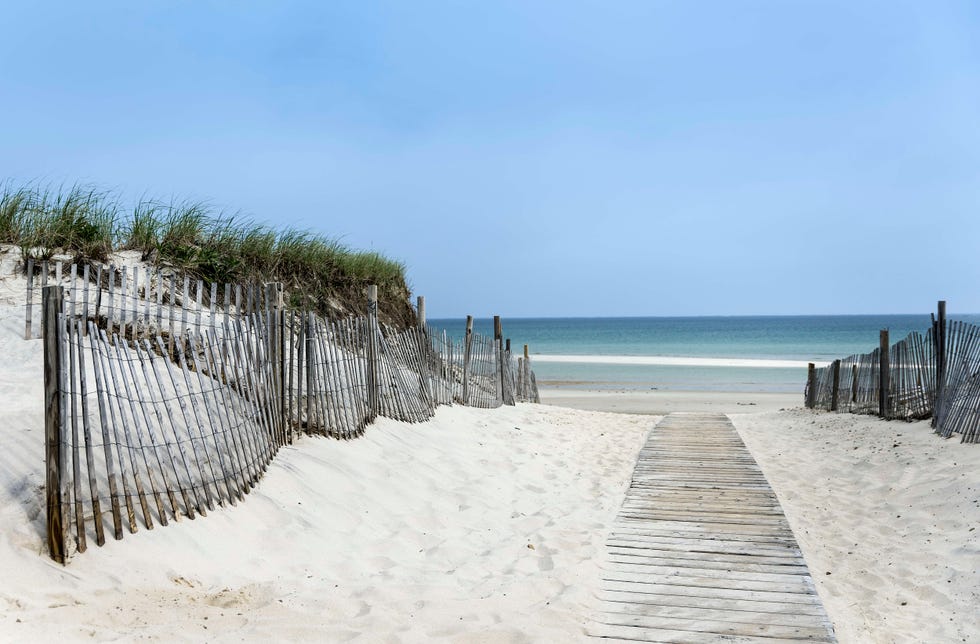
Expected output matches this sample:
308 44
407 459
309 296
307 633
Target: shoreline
662 402
675 361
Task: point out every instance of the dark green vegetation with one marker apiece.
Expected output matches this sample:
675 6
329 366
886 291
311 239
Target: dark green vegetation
193 237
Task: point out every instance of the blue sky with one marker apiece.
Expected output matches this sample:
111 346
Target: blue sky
540 158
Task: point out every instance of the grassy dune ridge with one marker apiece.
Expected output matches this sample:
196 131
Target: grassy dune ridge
90 223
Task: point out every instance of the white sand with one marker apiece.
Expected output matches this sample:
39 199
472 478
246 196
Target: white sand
887 515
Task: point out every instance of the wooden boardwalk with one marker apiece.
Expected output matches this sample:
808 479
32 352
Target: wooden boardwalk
701 550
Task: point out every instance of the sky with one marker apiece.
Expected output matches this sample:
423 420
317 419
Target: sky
540 158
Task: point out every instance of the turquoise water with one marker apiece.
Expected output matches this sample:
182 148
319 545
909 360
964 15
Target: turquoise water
790 340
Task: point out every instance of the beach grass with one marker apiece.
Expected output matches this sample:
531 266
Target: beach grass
195 237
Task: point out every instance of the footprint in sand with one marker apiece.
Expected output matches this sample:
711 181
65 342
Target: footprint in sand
381 563
251 595
363 610
181 581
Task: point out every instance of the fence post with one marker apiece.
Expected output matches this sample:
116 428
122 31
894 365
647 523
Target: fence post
508 375
30 298
854 383
51 304
940 349
268 309
526 376
280 318
506 396
426 354
884 384
835 393
372 351
309 366
811 386
467 352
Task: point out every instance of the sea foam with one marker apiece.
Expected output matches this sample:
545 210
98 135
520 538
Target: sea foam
677 361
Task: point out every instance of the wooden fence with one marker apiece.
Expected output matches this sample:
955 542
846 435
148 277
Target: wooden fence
156 413
933 375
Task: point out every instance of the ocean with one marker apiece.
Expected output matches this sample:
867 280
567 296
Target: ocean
750 353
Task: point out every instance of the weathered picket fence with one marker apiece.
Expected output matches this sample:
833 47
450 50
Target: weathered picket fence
156 411
934 375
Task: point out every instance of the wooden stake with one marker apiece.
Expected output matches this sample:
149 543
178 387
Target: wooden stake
122 302
73 395
200 307
940 348
171 322
85 280
209 409
184 303
467 356
148 278
854 383
835 392
811 385
219 394
201 483
171 458
125 446
102 393
373 358
159 329
884 381
137 447
51 304
28 326
74 295
87 435
308 321
213 297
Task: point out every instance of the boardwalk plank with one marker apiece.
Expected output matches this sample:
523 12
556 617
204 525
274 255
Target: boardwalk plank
719 603
628 635
797 586
643 592
660 614
708 633
698 547
745 563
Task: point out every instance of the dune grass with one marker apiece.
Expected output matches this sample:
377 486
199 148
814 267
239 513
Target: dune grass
192 236
79 220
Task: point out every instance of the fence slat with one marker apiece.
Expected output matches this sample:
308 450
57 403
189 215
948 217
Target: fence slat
122 432
102 393
135 430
